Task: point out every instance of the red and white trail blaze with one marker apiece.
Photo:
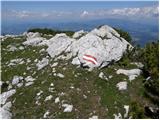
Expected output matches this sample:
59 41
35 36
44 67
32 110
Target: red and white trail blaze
90 58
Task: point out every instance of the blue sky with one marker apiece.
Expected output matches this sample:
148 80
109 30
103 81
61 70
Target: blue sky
53 5
140 18
73 11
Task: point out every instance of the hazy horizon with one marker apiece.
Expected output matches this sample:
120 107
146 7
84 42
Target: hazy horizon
132 16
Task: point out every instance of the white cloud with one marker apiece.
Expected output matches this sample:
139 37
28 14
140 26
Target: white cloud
20 14
145 11
45 14
152 11
84 14
24 14
36 14
125 11
129 12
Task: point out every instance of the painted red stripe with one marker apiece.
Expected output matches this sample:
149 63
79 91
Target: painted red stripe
91 57
89 60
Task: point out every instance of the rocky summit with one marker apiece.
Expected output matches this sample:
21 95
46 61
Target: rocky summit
84 74
96 48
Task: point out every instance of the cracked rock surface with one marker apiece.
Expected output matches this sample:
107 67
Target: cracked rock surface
96 48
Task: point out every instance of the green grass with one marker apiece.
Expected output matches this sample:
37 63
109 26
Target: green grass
103 97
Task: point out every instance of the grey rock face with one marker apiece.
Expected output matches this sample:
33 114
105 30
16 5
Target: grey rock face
92 49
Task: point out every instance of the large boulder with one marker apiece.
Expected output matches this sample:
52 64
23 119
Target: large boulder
58 44
79 34
32 35
99 47
132 74
89 49
93 49
33 39
96 48
105 31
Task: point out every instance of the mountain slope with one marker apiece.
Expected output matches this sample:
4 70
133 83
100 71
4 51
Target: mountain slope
36 85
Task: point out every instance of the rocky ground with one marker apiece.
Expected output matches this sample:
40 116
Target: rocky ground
42 80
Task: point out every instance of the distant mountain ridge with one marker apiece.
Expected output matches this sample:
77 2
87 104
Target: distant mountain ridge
141 33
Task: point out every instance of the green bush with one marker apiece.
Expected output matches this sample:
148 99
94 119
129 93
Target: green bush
137 111
125 61
127 58
151 58
136 55
50 31
124 34
153 86
151 65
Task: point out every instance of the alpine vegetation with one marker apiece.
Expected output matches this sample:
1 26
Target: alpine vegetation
83 74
